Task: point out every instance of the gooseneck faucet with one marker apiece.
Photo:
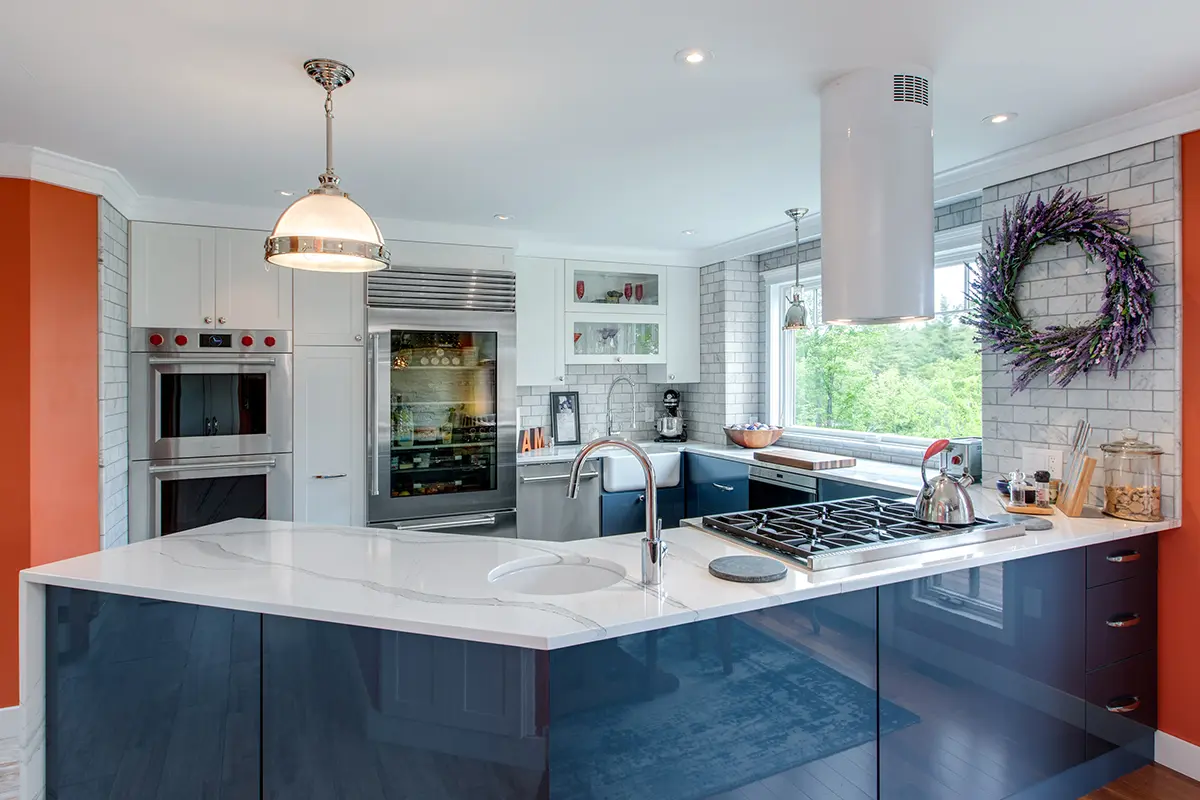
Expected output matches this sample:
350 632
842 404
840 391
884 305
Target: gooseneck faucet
654 549
608 415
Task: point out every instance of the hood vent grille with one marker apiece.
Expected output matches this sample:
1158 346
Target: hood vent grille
910 89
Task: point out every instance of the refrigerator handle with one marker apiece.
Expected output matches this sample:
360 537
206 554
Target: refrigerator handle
373 415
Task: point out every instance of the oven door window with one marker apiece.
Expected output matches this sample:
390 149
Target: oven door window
233 404
443 412
189 503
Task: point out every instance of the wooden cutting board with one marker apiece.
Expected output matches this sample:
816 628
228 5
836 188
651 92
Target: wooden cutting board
804 459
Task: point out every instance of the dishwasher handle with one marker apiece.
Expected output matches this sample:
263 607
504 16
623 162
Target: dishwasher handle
586 476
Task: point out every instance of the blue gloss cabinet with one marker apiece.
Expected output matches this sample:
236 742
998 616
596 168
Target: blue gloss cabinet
625 512
150 700
714 485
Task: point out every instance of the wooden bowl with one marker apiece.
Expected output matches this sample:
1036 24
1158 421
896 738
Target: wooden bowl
753 440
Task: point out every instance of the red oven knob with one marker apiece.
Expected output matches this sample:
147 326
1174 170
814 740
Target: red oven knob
181 340
269 341
156 339
247 341
956 460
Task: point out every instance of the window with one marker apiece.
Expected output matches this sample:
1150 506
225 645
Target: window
913 381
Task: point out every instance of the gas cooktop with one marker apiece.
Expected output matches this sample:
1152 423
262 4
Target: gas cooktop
841 533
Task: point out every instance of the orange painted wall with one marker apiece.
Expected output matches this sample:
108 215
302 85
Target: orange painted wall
1179 554
48 390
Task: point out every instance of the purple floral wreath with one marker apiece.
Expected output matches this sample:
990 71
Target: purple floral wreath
1114 338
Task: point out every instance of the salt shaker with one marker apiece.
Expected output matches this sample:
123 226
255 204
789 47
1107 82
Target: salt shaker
1016 488
1041 488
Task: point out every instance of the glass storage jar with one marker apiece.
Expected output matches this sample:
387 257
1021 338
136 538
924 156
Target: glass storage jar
1133 478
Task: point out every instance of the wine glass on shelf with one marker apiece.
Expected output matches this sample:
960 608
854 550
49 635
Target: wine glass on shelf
579 290
639 292
628 292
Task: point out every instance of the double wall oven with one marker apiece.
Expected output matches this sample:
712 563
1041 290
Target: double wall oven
213 440
441 396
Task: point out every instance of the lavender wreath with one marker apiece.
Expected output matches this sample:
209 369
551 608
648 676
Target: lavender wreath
1114 338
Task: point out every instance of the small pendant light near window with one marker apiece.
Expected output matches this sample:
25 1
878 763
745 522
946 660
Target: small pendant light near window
796 318
326 231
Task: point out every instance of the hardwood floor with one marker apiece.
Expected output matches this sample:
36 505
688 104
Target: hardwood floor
1154 782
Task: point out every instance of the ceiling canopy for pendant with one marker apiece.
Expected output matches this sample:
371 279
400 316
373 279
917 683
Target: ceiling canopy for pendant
326 231
796 318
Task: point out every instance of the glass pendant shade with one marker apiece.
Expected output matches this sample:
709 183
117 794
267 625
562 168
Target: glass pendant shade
327 232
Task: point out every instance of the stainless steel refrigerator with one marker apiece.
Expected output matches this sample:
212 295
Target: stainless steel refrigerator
441 399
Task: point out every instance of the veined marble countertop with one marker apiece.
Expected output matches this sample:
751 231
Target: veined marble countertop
885 475
437 584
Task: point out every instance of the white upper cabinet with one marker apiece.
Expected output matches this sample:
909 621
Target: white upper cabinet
182 276
251 293
329 484
595 287
448 256
172 274
329 308
683 329
540 346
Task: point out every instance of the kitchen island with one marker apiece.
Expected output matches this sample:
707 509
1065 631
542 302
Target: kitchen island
268 659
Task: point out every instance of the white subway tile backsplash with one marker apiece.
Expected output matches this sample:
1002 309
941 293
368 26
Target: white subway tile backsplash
113 271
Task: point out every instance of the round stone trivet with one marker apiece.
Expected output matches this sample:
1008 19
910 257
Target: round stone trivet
747 569
1031 522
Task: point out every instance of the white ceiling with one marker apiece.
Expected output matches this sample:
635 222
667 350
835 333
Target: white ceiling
571 116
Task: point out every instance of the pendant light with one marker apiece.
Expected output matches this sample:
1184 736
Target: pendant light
326 231
796 318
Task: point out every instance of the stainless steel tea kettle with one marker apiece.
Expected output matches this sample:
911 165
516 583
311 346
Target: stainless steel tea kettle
944 499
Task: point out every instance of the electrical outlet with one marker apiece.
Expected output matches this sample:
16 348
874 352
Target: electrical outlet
1054 463
1033 459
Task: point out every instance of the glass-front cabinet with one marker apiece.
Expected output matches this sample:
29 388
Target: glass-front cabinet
602 338
618 289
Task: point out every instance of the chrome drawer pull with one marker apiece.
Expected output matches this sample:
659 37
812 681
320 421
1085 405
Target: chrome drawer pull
723 487
1124 620
1123 705
547 478
330 477
1123 556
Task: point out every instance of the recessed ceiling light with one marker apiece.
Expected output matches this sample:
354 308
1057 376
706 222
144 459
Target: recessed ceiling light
997 119
693 56
688 233
284 193
502 217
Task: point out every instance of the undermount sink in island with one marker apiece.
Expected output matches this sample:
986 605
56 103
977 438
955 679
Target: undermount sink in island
270 659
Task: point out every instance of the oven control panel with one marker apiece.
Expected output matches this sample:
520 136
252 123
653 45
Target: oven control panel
180 340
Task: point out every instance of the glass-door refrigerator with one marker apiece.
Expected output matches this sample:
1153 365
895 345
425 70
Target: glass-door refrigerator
442 401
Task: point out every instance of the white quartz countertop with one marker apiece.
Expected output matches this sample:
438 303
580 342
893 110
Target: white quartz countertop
900 478
437 584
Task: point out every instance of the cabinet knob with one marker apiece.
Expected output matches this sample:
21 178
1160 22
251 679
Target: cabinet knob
208 320
221 320
618 359
358 337
558 378
670 377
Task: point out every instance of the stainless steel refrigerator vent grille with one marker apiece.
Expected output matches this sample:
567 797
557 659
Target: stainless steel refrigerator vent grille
910 89
453 290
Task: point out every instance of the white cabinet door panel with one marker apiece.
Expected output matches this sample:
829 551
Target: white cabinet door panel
251 293
329 308
540 345
171 276
683 329
330 436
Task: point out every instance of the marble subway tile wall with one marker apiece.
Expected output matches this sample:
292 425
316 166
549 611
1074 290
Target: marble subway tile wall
592 382
1062 287
114 376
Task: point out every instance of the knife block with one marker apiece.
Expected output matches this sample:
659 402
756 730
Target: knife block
1071 499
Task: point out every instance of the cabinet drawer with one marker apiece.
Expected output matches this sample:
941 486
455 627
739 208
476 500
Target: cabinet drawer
1125 558
710 469
1122 620
1127 689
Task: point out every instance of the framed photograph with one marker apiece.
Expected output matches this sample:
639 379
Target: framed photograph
564 417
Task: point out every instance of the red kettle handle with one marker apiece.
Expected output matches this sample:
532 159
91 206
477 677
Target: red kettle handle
935 448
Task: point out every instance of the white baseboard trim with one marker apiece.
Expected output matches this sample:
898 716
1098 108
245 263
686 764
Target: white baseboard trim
10 721
1178 754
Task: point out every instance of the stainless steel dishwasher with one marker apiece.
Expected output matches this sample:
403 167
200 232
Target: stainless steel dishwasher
543 509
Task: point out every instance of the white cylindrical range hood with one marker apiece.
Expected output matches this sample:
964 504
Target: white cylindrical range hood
877 197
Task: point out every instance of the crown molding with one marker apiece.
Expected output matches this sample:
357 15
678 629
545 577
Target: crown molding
47 166
533 248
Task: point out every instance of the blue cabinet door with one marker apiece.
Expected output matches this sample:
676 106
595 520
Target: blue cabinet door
992 662
625 512
765 705
715 485
828 489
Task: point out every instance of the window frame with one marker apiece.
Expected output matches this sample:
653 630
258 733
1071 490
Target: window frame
958 245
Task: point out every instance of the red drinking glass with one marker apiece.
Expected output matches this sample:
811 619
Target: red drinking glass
638 292
628 291
579 289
